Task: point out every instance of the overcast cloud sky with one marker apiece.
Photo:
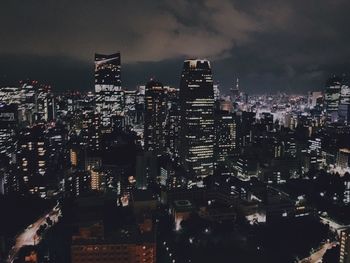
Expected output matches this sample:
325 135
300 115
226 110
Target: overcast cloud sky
271 45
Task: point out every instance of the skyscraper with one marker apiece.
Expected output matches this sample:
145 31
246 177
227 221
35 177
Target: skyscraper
344 104
197 118
107 70
33 157
155 116
173 123
225 129
8 127
332 98
109 93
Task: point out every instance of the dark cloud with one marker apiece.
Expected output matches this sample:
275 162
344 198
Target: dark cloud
272 45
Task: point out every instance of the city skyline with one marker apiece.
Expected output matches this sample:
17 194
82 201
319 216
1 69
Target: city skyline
175 131
272 46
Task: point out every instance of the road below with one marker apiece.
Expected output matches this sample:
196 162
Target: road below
316 257
29 237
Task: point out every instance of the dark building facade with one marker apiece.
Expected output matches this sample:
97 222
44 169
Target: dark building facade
226 135
332 98
109 94
197 118
155 116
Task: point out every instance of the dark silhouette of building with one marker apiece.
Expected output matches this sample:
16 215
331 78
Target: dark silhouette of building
332 98
109 94
226 135
197 118
155 116
107 69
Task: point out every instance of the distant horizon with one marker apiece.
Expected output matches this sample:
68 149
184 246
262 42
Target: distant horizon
129 83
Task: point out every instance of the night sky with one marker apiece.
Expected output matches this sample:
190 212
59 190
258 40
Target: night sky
290 46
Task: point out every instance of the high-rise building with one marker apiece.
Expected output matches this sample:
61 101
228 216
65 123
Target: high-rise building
146 169
109 93
90 132
140 105
245 127
107 69
8 127
332 98
225 129
155 116
130 106
50 108
344 105
173 124
45 103
197 118
33 158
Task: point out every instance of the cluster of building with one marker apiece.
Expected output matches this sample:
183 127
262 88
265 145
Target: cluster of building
194 149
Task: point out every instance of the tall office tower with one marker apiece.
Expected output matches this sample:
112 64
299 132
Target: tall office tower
173 124
146 169
344 105
45 103
130 106
225 130
155 116
91 132
33 156
245 128
109 93
197 135
8 128
140 105
332 98
344 246
50 108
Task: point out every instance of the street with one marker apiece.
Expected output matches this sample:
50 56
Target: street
29 236
316 257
